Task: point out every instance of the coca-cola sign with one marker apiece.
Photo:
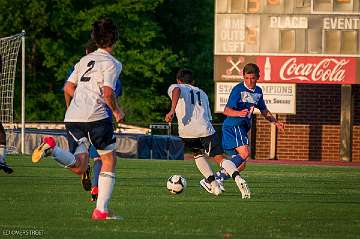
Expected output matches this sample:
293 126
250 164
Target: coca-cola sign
307 69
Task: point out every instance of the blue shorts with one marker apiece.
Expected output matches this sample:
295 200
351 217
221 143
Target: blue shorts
234 136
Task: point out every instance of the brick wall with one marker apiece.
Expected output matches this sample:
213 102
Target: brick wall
314 132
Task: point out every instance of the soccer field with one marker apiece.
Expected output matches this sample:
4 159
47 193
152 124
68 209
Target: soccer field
288 201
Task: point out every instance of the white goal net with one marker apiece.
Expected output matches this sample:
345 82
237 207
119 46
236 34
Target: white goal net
9 49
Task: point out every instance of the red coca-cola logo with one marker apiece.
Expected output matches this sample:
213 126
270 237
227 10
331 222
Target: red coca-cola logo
328 69
308 69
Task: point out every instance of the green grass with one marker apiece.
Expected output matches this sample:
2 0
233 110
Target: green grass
288 201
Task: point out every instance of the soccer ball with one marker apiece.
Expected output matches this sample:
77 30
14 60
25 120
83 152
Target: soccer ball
176 184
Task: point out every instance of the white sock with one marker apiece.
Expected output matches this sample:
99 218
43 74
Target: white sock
229 166
203 166
63 157
106 186
2 153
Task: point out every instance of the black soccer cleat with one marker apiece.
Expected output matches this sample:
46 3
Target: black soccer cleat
6 168
86 179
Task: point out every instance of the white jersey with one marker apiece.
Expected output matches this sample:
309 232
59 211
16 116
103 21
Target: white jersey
192 112
90 74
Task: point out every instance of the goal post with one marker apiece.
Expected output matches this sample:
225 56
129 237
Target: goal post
9 50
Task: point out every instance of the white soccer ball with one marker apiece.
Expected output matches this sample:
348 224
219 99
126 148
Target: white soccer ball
176 184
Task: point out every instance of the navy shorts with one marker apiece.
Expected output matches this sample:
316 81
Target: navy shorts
234 136
99 133
208 145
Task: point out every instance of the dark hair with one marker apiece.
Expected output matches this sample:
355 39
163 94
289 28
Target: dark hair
251 68
185 75
91 46
104 32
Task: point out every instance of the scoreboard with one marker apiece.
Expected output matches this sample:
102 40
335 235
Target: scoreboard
292 41
324 27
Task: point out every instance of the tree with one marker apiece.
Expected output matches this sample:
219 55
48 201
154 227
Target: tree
56 33
157 37
189 28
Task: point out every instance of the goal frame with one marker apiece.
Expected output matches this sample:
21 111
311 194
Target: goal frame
11 125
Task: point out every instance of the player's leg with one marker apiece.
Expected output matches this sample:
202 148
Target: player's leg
201 147
214 150
96 171
3 165
86 176
212 185
105 185
47 148
239 162
243 151
227 168
236 138
78 146
103 138
76 160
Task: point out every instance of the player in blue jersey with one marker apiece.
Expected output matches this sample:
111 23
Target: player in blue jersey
190 104
243 98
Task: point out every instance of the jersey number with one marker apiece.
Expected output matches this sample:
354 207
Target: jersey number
192 95
91 65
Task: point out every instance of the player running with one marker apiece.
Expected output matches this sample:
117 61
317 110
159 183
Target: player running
91 87
192 109
243 98
91 183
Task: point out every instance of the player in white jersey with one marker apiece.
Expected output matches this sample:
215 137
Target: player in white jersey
91 86
191 106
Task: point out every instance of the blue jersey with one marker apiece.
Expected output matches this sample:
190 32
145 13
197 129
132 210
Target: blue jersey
242 98
118 92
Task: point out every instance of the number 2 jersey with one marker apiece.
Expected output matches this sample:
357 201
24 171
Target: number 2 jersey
192 111
90 74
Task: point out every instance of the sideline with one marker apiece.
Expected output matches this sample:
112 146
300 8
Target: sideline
295 162
306 162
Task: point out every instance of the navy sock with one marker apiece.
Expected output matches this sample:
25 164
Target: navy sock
237 160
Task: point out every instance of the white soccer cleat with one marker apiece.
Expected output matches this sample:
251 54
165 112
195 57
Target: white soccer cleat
220 181
215 189
243 187
205 185
212 187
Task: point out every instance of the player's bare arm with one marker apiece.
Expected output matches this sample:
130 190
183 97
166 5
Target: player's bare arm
235 113
69 90
110 100
174 101
267 115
